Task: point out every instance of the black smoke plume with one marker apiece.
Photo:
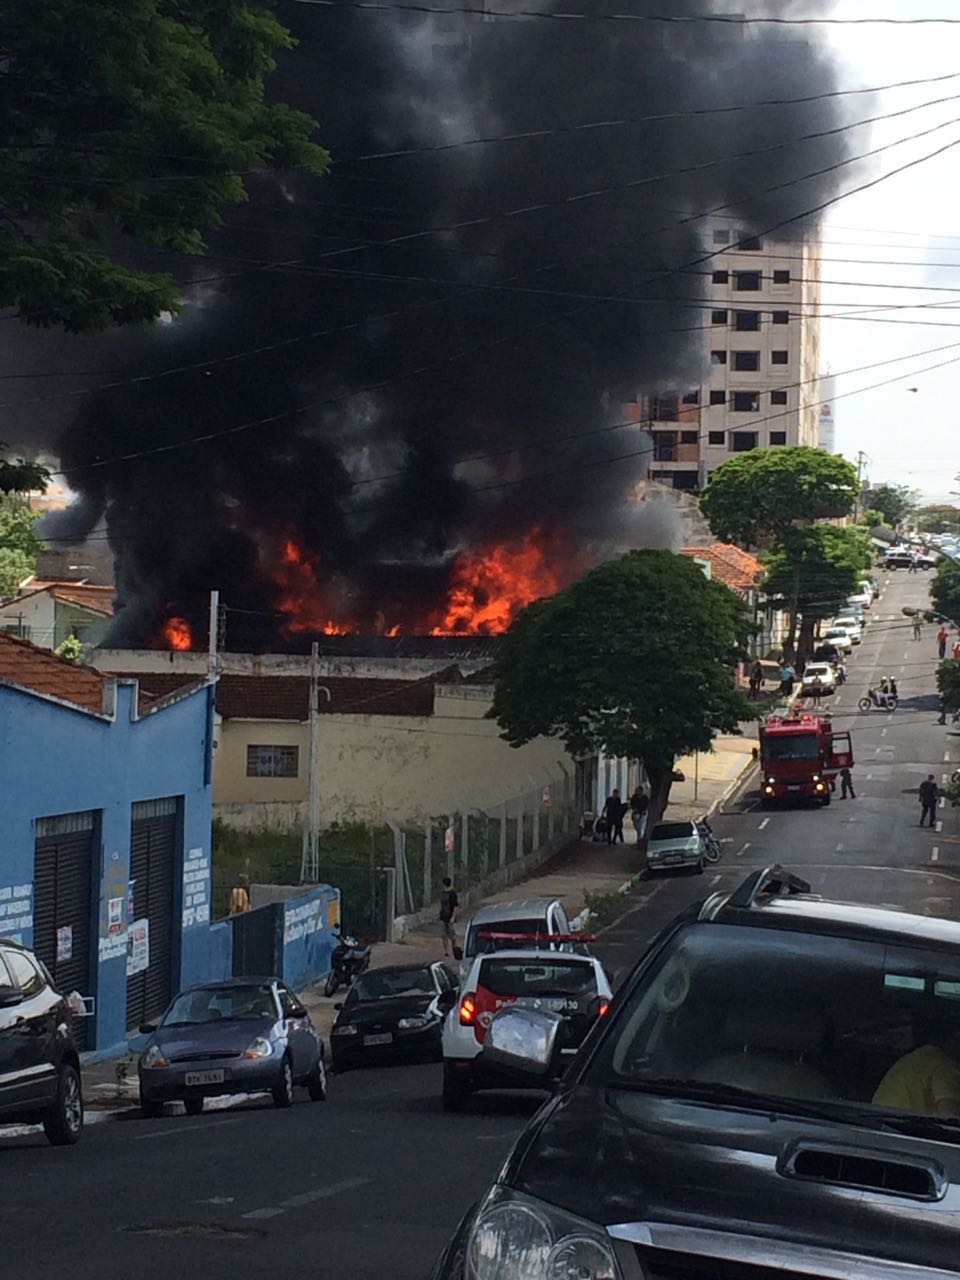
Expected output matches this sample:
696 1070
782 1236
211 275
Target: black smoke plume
442 367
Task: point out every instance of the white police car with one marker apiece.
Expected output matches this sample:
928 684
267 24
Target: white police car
572 985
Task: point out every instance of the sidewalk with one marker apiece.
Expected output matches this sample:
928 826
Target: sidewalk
582 867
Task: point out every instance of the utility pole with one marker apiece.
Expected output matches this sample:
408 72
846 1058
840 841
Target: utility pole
213 657
859 507
310 859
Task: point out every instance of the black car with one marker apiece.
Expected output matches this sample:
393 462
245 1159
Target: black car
394 1012
39 1063
776 1092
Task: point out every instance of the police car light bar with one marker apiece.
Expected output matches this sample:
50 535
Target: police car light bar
536 937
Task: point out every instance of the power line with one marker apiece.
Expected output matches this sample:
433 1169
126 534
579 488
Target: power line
730 20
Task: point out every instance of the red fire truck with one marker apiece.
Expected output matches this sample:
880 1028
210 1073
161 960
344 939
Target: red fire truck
800 756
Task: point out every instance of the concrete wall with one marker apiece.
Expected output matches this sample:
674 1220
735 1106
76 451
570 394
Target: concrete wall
33 618
411 768
88 626
57 760
194 665
308 940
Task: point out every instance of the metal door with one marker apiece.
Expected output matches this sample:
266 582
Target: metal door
63 910
154 832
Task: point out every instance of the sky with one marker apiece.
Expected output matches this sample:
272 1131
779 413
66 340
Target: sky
908 437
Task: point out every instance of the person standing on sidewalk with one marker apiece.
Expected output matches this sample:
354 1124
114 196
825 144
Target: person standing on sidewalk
943 636
846 785
639 803
943 710
918 628
929 795
449 915
786 678
613 811
756 680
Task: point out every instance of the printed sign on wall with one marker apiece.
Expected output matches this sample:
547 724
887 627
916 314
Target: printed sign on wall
138 947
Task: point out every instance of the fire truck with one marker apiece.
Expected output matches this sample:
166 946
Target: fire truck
800 756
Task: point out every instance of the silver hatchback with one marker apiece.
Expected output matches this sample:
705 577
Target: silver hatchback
675 844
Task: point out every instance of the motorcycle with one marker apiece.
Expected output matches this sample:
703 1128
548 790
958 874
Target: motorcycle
886 702
712 850
347 962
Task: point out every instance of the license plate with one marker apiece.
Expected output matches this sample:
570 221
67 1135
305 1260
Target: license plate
795 786
204 1077
385 1038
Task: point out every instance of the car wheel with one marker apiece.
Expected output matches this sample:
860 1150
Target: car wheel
456 1088
151 1109
63 1123
317 1083
283 1091
193 1106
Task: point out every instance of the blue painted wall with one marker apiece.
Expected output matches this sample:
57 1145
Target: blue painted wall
56 760
308 941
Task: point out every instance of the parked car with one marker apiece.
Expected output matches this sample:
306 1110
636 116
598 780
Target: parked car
897 560
827 653
745 1109
675 844
573 988
821 672
242 1035
840 637
39 1063
863 598
532 917
391 1013
852 625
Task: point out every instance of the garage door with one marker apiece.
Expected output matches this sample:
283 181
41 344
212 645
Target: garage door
64 858
154 832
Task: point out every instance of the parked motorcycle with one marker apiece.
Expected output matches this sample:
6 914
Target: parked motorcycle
348 961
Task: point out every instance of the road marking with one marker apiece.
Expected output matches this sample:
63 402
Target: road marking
715 880
183 1128
905 657
883 733
939 826
840 848
944 777
946 757
766 820
308 1197
869 777
934 854
741 852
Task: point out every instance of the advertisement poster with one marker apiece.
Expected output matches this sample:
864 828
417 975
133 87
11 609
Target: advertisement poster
138 947
115 915
65 943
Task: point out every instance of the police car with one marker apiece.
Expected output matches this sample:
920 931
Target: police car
572 984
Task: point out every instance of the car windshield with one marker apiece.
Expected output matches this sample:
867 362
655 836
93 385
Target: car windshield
383 985
218 1004
543 978
794 1016
525 928
791 746
673 831
820 669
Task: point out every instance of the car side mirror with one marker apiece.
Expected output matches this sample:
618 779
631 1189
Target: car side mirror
297 1012
446 1000
338 1006
147 1028
10 996
523 1041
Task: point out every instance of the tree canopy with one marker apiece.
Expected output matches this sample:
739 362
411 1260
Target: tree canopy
129 118
763 493
19 544
895 502
939 518
948 681
21 476
636 659
946 588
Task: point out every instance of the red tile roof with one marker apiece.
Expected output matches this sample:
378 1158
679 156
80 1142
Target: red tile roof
287 697
734 567
26 664
81 594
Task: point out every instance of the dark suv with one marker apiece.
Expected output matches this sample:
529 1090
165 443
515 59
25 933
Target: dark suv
39 1063
775 1093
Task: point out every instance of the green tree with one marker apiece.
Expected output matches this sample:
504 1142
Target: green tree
945 589
19 544
939 518
895 502
948 681
871 519
72 649
827 562
655 685
768 495
132 116
21 476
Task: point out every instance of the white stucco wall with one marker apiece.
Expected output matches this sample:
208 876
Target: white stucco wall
33 618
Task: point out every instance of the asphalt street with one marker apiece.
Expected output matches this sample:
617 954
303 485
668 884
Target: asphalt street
371 1183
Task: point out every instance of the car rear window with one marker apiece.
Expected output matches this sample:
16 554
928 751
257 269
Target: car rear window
543 978
672 831
786 1014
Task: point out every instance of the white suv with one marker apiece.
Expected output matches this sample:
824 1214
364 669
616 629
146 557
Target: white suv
570 984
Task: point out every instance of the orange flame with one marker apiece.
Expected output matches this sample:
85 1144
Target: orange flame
488 591
177 633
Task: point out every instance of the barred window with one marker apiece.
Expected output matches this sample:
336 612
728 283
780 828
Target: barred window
273 762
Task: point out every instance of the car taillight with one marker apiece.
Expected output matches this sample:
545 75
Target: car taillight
468 1010
604 1009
